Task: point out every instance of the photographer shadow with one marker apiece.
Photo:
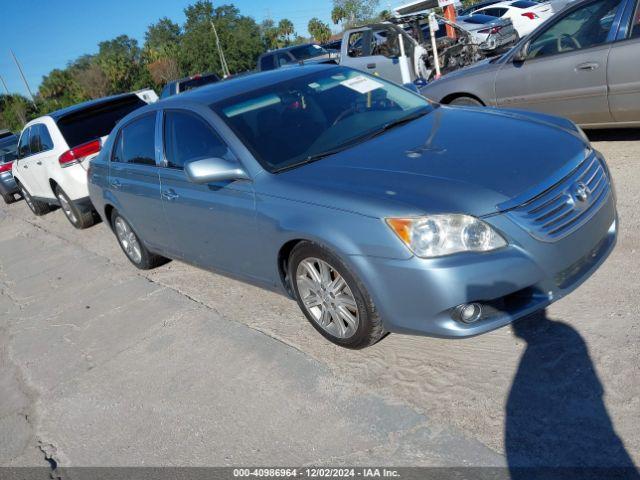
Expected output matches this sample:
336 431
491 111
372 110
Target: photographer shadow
557 425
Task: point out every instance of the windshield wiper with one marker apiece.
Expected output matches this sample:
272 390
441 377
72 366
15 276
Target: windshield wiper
367 136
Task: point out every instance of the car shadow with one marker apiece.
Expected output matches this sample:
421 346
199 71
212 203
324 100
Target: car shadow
614 135
557 425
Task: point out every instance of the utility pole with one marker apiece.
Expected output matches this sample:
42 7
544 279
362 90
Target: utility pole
223 61
24 79
18 112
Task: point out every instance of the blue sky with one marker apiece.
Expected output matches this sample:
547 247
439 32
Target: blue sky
47 34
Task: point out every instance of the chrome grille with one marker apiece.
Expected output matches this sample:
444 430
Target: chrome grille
566 206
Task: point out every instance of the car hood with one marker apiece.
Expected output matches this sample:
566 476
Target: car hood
453 160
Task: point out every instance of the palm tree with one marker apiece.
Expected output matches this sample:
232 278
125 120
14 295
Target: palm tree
285 29
319 30
338 14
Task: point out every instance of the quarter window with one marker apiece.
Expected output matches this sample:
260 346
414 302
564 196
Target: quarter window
136 142
585 27
45 139
188 138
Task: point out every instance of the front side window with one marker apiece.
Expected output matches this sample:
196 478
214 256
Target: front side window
283 59
34 140
23 147
299 120
585 27
188 138
356 44
136 142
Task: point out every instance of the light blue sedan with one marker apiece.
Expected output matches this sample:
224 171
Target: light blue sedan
375 209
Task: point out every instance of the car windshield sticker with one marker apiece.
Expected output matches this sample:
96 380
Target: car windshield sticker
362 84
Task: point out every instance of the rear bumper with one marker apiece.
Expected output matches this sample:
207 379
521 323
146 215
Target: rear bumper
8 184
417 296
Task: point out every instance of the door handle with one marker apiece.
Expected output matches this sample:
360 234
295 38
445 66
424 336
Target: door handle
371 65
25 166
115 184
39 163
587 67
170 194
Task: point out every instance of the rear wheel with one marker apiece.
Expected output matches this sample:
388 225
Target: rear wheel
132 247
37 207
8 198
78 216
334 301
466 101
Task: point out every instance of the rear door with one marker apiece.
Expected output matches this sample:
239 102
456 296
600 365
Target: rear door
565 72
213 226
134 181
623 72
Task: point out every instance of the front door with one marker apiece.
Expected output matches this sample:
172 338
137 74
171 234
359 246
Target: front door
135 183
565 70
213 226
375 51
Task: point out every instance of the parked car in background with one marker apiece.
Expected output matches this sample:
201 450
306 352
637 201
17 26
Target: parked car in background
490 33
582 64
525 14
333 46
54 152
476 6
291 55
8 151
358 198
188 83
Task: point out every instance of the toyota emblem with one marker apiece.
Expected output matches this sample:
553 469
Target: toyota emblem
581 192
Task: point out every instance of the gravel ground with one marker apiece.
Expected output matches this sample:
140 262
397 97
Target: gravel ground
560 388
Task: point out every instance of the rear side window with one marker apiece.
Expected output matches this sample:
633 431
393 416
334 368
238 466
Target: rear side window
98 121
34 140
136 142
45 139
188 138
267 63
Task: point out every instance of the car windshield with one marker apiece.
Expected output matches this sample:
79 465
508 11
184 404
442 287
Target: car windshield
197 81
300 120
478 19
8 149
307 51
97 121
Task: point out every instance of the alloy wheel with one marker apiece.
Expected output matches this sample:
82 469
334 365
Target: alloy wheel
128 240
327 298
66 208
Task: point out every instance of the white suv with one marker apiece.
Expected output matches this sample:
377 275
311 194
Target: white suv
54 153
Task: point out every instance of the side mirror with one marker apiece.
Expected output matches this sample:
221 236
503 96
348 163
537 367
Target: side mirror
211 170
521 54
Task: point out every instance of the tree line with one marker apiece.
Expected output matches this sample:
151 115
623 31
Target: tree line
172 51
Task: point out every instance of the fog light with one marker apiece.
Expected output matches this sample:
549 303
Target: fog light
469 312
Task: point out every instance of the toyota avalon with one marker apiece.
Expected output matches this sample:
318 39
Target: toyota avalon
376 210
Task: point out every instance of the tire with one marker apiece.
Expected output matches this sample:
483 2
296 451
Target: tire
78 217
8 199
466 101
37 207
131 245
332 306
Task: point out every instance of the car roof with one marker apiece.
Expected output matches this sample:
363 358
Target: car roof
286 49
63 112
508 4
214 92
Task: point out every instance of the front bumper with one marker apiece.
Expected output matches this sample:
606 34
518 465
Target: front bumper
417 296
8 184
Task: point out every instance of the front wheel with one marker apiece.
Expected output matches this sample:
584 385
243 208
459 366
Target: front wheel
38 207
132 247
334 301
78 217
466 101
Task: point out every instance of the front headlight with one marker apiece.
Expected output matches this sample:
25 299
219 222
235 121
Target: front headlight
439 235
